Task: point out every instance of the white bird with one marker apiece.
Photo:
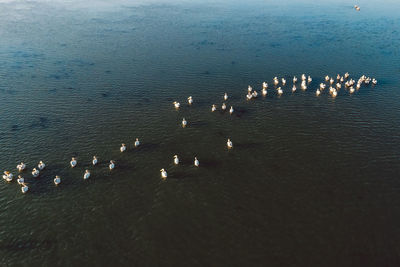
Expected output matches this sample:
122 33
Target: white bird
341 79
283 81
346 75
57 180
176 104
276 81
24 188
303 77
326 78
229 143
184 123
249 88
112 165
231 110
223 107
249 96
331 81
35 172
21 166
318 92
86 175
338 86
8 176
73 162
309 79
213 108
338 77
254 94
294 79
137 143
190 100
280 91
196 162
374 81
294 88
322 86
176 160
351 90
94 161
358 85
334 93
20 180
264 92
303 85
225 96
163 173
122 148
265 85
41 165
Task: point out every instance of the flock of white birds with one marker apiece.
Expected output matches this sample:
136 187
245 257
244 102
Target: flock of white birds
279 85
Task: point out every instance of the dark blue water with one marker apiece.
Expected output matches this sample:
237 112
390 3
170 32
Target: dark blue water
311 181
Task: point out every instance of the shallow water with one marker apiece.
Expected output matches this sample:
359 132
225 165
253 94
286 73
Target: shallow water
311 181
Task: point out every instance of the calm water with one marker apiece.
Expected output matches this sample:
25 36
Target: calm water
311 181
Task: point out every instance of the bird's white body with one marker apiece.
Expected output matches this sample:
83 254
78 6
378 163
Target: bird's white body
57 180
94 161
303 77
86 175
184 123
122 148
21 166
264 92
225 96
213 108
265 85
20 180
294 79
73 163
176 104
283 81
163 173
334 93
318 92
352 90
309 79
35 173
294 88
137 143
190 100
223 107
280 91
231 110
229 144
176 160
196 162
254 94
112 165
24 188
41 165
8 176
326 78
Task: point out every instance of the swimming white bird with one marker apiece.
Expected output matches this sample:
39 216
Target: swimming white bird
249 96
41 165
280 91
334 93
303 77
331 89
294 88
225 96
73 162
213 108
137 143
229 143
357 8
322 86
21 167
231 110
86 175
346 75
24 188
190 100
341 79
374 81
112 165
303 85
309 79
176 160
57 180
8 176
176 104
254 94
94 161
122 148
326 78
338 77
318 92
352 90
249 88
294 79
20 180
223 107
163 173
276 81
283 81
35 172
358 86
338 86
331 81
196 162
264 92
184 123
265 85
